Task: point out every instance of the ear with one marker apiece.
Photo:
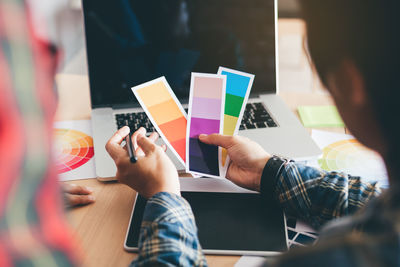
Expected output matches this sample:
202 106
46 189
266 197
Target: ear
348 83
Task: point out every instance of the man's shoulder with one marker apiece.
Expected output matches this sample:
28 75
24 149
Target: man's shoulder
368 238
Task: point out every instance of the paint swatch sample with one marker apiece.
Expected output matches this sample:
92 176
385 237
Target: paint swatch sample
165 112
238 87
206 106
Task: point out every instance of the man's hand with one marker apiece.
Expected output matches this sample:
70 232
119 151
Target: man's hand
248 159
152 173
76 195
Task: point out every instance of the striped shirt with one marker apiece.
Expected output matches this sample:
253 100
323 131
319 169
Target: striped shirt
33 230
169 235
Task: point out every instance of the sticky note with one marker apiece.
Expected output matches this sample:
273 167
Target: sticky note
238 87
320 116
165 112
206 115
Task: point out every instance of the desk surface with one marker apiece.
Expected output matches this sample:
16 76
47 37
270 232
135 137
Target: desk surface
101 227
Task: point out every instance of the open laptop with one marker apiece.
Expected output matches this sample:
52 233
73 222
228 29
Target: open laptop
130 42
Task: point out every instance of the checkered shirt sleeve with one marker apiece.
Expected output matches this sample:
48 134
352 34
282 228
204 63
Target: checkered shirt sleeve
168 236
318 196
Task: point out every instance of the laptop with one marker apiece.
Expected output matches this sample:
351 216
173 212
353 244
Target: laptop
130 42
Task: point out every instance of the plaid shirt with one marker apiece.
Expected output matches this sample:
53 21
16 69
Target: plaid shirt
33 229
366 238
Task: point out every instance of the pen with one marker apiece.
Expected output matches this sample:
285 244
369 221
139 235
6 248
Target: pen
131 150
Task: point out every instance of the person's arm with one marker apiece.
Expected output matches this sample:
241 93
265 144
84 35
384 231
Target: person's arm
314 195
305 192
168 235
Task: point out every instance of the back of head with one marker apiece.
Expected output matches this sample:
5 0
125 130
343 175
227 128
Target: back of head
365 32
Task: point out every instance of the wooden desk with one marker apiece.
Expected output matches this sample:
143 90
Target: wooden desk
101 227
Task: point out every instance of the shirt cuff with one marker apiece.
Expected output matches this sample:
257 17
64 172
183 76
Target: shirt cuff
168 207
270 176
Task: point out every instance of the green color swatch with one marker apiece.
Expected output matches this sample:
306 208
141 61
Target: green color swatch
320 116
233 105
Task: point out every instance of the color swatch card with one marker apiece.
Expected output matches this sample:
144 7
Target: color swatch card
165 112
206 108
320 116
238 87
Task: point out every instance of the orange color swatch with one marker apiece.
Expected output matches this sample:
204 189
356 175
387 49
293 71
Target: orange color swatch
165 112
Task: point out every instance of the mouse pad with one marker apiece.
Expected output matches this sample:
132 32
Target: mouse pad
228 223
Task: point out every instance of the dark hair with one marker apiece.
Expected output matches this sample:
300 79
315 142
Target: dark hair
366 32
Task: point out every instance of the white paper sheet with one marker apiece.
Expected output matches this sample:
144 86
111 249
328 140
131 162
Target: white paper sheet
251 261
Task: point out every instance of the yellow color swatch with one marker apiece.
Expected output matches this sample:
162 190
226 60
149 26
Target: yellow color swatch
229 124
229 129
154 94
165 112
224 156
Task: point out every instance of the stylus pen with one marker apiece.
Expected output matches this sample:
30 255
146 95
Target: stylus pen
131 151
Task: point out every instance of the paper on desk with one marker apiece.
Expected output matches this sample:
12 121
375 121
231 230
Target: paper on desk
73 150
320 116
251 261
343 153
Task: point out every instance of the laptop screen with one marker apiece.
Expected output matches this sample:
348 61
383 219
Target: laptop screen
130 42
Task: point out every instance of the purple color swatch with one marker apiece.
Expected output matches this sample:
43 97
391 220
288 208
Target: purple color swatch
205 118
206 108
203 126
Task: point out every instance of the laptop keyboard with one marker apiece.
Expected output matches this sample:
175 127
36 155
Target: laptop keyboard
255 116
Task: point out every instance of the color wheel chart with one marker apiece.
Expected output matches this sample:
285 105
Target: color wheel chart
73 149
345 154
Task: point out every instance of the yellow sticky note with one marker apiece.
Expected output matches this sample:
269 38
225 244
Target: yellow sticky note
320 116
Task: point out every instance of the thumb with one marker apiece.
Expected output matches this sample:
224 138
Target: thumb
224 141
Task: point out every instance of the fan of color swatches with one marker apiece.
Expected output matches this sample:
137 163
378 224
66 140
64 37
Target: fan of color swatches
206 104
165 112
238 87
74 148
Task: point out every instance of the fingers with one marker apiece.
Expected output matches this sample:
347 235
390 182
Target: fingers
75 200
153 137
113 145
141 131
146 144
77 189
218 140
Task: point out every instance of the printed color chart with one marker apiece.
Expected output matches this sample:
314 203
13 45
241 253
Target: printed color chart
206 105
74 149
238 87
165 112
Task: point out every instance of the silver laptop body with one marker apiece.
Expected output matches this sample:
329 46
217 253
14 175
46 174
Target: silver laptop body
288 139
